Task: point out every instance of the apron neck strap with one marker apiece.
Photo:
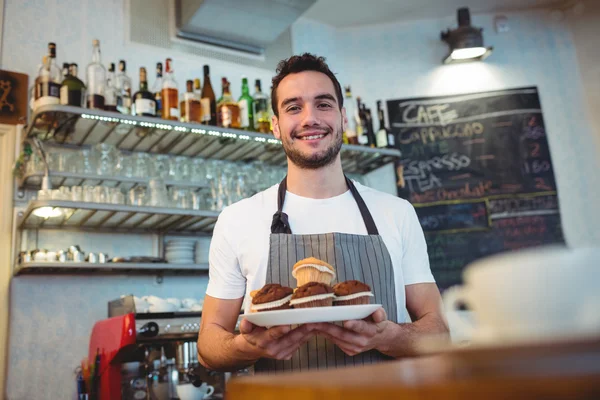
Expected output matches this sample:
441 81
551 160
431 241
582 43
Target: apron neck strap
364 210
281 224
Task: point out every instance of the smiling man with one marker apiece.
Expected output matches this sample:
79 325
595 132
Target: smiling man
316 211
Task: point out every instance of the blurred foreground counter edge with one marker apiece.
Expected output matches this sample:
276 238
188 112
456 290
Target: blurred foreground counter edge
562 370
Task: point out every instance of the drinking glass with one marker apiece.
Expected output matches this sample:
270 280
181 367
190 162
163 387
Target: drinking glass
77 193
158 194
88 194
181 197
138 196
161 166
107 157
101 194
141 165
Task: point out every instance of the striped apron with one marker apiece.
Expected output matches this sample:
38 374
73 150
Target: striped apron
361 257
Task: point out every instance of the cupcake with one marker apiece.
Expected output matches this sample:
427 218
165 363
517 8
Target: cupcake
312 294
271 297
350 293
313 270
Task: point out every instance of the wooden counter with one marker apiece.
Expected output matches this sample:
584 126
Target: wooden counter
541 371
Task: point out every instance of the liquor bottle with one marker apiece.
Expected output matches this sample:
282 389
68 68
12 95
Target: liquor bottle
170 94
368 126
246 103
110 90
351 135
228 111
208 100
48 81
360 119
384 137
197 88
157 88
143 101
123 86
65 71
96 79
72 92
190 104
262 119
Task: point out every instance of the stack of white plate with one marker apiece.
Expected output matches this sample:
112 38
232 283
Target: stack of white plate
180 251
202 248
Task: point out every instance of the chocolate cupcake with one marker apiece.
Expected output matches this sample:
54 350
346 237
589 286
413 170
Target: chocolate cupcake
271 297
350 293
312 294
312 269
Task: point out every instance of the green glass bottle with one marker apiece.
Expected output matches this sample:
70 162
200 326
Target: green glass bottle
72 92
246 103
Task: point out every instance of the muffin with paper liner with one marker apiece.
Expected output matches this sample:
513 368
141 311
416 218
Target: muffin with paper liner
353 292
312 269
312 294
271 297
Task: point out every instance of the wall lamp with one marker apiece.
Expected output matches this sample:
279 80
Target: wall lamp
466 41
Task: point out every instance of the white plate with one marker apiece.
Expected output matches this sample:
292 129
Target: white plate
308 315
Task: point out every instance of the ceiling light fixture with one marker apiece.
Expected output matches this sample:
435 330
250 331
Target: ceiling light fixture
466 41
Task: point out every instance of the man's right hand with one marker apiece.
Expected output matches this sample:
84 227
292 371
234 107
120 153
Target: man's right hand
279 342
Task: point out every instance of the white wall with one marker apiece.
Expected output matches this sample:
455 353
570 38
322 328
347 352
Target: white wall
403 60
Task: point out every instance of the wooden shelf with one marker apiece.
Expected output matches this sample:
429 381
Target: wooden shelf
74 126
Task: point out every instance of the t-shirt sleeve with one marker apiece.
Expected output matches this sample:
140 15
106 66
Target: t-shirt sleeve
225 280
415 261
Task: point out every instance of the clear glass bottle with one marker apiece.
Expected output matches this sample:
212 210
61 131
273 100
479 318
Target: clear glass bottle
246 104
157 88
262 118
208 100
170 94
72 92
144 102
190 104
96 79
385 138
123 86
48 81
228 111
110 91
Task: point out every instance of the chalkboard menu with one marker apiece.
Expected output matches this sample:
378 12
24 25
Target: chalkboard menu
477 169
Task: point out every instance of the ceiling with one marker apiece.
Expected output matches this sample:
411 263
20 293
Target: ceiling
346 13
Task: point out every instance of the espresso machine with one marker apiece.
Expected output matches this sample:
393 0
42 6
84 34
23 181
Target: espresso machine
152 356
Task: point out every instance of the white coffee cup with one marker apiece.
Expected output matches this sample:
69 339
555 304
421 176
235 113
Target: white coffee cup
543 293
190 392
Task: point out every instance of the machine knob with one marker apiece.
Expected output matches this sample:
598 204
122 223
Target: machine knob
149 329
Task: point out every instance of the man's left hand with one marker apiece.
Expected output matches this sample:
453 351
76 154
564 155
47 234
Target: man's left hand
358 336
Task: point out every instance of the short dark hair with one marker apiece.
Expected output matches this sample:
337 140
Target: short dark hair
303 62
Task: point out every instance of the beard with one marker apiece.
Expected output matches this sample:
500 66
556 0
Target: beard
316 160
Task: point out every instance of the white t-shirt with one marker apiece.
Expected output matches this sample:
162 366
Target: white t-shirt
239 250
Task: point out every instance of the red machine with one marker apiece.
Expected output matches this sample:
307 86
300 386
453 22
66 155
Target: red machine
145 355
111 338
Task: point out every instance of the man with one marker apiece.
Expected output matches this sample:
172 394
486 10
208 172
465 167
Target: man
365 234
